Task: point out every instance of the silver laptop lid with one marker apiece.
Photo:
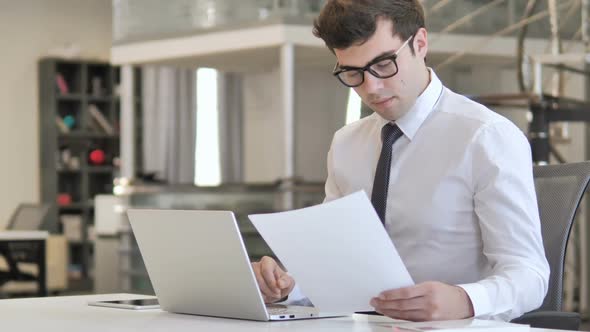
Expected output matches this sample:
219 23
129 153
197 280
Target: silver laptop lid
197 263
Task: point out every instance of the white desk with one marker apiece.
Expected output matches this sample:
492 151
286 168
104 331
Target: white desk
65 314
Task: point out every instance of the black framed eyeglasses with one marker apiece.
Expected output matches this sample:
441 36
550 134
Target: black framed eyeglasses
384 66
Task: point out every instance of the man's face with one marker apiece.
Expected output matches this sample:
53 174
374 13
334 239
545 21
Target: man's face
390 97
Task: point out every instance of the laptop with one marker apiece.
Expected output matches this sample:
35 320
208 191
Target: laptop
198 265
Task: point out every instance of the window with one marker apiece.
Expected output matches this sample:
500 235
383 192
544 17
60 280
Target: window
353 108
207 164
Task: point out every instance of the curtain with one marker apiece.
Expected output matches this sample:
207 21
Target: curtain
231 127
169 123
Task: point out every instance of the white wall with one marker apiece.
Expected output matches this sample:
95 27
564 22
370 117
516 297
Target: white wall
28 28
263 127
320 110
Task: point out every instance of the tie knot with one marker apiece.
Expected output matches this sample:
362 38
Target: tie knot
390 133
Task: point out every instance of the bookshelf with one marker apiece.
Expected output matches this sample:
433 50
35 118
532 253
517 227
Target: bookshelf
79 140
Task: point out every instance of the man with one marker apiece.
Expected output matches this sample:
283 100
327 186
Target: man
451 180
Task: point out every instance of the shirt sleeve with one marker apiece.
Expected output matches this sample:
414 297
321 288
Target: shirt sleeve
506 205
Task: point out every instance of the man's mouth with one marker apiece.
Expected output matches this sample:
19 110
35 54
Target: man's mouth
381 101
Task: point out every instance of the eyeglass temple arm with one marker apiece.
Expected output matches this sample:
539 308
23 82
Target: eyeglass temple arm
335 67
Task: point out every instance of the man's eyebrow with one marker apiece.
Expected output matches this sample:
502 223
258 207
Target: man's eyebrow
378 57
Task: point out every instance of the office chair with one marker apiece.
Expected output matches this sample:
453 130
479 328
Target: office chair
28 217
559 192
25 217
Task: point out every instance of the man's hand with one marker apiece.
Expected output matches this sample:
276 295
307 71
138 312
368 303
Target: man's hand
424 302
274 283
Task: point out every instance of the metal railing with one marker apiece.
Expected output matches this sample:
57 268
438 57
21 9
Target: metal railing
139 20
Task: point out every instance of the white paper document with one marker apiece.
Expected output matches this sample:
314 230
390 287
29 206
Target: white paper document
338 253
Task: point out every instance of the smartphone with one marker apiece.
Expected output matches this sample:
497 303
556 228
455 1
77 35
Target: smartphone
135 304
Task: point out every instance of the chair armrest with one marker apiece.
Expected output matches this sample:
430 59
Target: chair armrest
550 320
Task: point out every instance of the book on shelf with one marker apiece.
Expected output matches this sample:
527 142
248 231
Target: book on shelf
100 120
61 125
75 272
96 88
62 85
72 226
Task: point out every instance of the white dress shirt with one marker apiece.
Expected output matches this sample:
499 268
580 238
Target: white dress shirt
461 206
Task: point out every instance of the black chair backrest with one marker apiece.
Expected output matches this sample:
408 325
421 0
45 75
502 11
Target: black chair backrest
559 192
28 217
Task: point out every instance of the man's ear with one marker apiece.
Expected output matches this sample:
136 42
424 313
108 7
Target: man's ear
420 43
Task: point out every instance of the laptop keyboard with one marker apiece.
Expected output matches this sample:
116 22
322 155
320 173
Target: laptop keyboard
278 309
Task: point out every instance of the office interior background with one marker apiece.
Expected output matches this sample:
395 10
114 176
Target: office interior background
231 105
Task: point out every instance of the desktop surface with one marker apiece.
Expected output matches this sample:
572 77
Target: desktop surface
72 313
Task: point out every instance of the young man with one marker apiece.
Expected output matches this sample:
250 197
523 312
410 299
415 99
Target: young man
451 180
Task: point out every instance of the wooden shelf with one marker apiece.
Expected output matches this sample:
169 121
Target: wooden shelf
101 99
80 284
69 171
102 169
73 206
70 97
84 83
86 135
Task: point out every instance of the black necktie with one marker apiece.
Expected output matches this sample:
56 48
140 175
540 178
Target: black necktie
389 134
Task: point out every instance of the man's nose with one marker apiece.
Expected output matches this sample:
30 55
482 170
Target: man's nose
371 84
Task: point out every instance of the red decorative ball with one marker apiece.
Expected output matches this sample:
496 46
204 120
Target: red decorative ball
64 199
97 156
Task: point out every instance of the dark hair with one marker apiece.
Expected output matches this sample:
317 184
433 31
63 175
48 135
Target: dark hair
343 23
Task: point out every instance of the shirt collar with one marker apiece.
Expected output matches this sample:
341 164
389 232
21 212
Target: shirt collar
425 103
